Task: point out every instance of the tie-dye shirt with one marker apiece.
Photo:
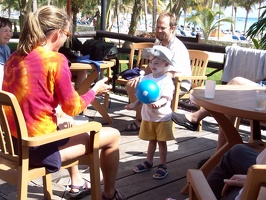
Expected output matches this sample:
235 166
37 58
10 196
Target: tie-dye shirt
41 80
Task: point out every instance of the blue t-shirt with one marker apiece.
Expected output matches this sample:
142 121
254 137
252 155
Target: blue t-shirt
4 53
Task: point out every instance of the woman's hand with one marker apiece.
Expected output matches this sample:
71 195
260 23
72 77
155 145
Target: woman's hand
101 87
236 180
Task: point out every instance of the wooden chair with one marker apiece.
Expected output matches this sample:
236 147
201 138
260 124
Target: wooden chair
135 53
254 187
199 61
15 169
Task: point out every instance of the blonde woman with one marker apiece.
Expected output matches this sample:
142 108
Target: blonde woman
39 77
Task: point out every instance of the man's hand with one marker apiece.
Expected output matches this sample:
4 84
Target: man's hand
236 180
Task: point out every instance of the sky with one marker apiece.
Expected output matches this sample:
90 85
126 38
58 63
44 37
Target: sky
241 12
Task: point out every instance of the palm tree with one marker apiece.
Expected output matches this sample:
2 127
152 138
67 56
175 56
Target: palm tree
206 19
247 5
257 29
188 5
154 14
8 5
135 17
234 4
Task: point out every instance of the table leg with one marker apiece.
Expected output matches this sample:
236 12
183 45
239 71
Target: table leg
85 86
255 133
96 104
232 137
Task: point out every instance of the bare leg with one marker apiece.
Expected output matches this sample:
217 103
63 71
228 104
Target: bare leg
151 150
197 116
109 159
162 151
162 167
221 139
76 178
131 91
234 81
241 81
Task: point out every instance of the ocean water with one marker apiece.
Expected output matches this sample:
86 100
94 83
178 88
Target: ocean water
125 23
240 23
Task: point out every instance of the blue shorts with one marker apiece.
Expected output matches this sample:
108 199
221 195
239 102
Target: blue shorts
47 155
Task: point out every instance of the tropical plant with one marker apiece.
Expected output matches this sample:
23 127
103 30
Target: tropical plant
206 19
9 5
135 17
247 5
257 29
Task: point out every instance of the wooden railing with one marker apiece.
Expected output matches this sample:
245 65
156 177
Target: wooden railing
189 42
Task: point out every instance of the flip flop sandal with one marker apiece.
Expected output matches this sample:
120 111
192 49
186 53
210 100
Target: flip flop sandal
132 127
83 191
117 196
145 166
160 173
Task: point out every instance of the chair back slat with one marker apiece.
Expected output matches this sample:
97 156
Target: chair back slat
6 143
9 102
14 169
137 49
199 61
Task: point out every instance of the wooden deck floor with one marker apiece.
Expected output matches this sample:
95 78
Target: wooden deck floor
183 153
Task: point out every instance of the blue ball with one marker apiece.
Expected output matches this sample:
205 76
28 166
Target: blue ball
147 91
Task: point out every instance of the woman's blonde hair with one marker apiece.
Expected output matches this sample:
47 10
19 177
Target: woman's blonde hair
37 25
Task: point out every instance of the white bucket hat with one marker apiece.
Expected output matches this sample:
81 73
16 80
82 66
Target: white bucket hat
160 52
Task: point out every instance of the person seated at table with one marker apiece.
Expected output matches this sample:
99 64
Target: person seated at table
5 36
191 120
228 177
40 79
165 27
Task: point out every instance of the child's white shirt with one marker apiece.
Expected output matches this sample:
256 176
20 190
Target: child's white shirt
163 113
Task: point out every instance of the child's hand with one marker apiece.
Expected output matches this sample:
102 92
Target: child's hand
159 103
156 104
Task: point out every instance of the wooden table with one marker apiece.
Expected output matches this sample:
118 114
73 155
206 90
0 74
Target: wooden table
85 86
233 100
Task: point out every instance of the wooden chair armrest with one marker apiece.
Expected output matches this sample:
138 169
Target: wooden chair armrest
61 134
256 177
198 186
182 78
123 61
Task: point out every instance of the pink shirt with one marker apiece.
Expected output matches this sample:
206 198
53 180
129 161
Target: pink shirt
41 80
